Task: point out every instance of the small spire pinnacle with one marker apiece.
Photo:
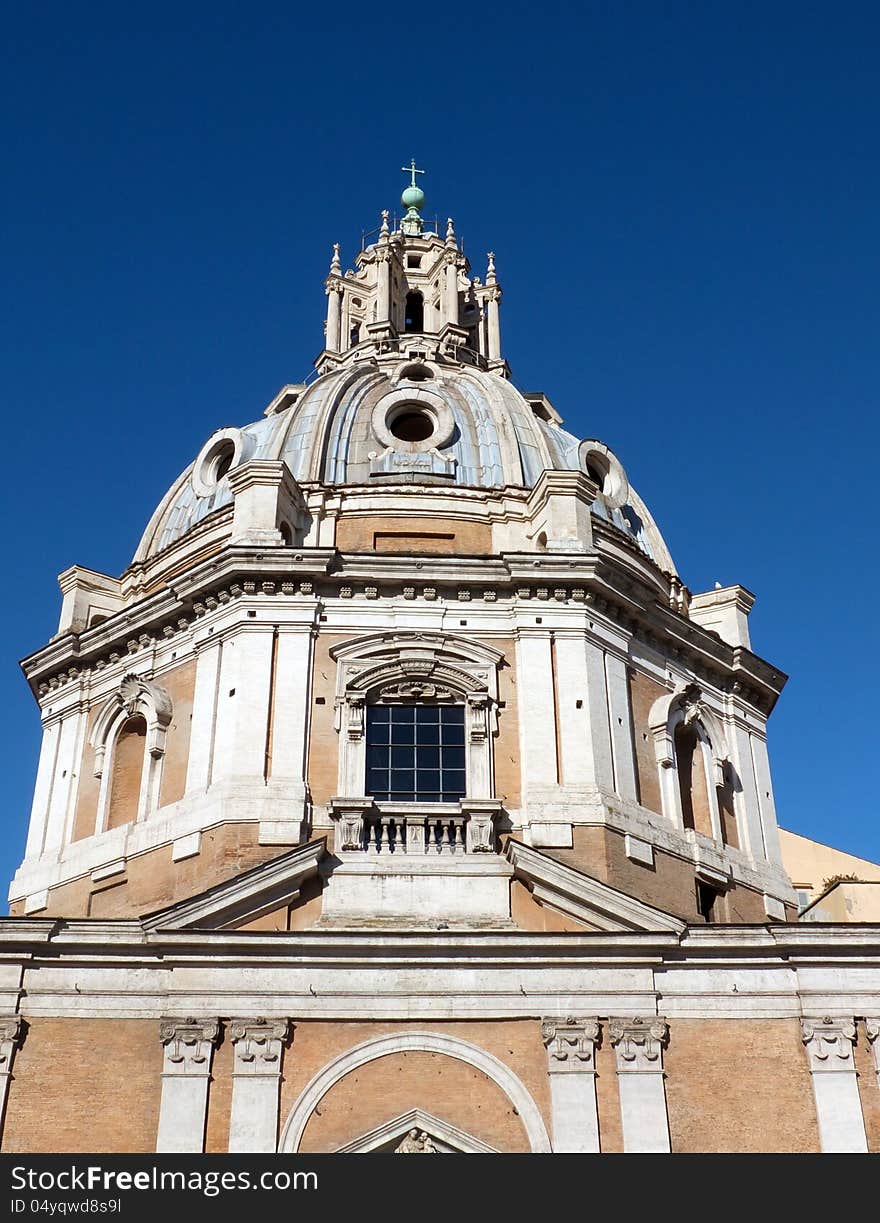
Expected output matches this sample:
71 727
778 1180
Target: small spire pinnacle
413 200
335 265
490 271
450 232
384 230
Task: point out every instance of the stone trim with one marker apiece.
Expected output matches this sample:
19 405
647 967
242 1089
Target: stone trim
571 1065
258 1046
421 1042
638 1043
424 666
570 1044
12 1033
583 898
135 695
189 1048
446 1137
244 897
828 1043
872 1031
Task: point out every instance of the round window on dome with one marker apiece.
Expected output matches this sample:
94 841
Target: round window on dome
219 455
602 467
412 425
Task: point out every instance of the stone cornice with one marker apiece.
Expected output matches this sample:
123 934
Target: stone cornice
245 897
584 898
587 580
832 942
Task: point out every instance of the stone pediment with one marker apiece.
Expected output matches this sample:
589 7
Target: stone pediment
245 897
417 1133
598 905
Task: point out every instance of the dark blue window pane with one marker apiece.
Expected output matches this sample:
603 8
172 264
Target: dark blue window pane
453 779
429 779
403 757
428 757
428 713
377 779
429 732
402 779
377 755
402 732
403 713
432 798
378 714
453 734
453 757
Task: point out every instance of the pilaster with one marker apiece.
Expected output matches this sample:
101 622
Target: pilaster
189 1048
872 1030
571 1066
829 1046
638 1043
258 1046
11 1037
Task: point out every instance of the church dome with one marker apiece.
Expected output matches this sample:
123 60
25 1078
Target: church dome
406 421
411 389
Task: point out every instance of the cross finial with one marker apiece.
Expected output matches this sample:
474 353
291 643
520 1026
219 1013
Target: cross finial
411 170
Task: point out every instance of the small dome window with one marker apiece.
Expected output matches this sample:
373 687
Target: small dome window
416 371
601 466
219 455
413 425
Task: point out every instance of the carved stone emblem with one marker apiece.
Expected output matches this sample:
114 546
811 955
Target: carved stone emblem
416 1142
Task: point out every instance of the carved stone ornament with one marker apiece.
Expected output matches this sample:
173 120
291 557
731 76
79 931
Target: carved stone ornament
416 1142
570 1044
11 1036
416 691
872 1031
188 1043
258 1044
639 1043
829 1043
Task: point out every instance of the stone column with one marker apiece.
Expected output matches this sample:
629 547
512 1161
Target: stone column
189 1047
450 295
571 1065
334 312
494 325
383 296
256 1083
11 1036
829 1045
872 1028
639 1046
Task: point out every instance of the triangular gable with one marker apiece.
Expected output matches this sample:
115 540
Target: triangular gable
245 897
584 899
446 1139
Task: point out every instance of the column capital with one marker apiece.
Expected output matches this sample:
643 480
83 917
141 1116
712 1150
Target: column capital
258 1044
570 1044
188 1043
872 1031
638 1043
11 1037
829 1043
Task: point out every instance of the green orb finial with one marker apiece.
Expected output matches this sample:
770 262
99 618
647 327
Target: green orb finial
413 197
413 200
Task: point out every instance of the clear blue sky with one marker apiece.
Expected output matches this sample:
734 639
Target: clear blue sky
684 201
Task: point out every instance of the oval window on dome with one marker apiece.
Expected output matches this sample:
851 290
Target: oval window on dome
219 455
413 425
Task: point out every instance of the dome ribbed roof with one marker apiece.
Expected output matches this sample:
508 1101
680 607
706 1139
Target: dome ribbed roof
337 432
